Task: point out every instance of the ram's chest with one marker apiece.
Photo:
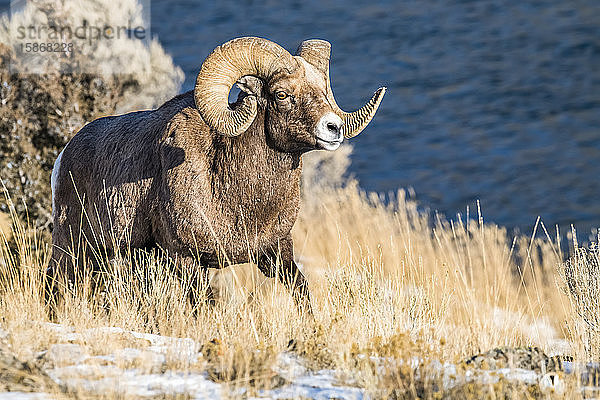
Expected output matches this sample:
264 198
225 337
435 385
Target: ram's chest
238 212
259 209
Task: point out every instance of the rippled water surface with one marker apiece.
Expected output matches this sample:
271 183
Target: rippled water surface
490 100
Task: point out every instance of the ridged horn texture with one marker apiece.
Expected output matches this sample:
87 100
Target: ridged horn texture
223 67
317 52
358 120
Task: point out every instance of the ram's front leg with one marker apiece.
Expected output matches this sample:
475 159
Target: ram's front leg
193 275
287 272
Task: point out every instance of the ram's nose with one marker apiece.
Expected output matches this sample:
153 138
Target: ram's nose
329 132
334 128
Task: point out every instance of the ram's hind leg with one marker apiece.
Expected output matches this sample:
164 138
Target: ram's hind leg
195 281
78 253
67 269
56 279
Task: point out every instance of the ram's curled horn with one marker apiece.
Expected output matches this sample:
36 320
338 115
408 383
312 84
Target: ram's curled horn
317 52
222 68
358 120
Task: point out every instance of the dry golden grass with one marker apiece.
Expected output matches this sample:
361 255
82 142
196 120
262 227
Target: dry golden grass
387 281
581 275
5 224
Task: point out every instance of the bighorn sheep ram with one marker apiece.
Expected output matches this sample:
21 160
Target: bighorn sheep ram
200 178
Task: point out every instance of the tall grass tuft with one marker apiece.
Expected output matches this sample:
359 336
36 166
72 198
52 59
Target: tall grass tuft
581 281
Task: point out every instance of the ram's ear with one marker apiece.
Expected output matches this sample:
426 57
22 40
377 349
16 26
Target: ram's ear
250 84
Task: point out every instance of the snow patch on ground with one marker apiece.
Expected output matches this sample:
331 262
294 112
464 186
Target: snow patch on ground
146 365
24 396
322 384
149 372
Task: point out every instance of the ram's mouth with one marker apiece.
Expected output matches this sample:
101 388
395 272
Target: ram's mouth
328 144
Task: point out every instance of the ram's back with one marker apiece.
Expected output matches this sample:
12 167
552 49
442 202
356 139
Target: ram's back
109 167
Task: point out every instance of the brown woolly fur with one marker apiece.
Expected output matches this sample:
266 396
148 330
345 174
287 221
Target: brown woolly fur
166 178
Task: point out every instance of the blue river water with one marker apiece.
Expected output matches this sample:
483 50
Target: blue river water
496 100
491 100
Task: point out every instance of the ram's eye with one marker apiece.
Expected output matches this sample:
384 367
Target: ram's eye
281 95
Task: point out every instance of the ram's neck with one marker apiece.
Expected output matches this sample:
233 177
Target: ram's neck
252 176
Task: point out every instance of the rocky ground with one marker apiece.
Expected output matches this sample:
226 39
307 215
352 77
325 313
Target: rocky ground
114 363
142 365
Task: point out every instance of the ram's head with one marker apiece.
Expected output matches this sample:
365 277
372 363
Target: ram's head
300 111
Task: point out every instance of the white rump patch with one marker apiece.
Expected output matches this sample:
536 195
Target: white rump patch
54 178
